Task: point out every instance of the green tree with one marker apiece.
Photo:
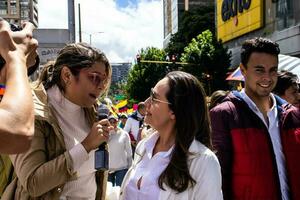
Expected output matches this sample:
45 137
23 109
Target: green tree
209 60
143 76
191 24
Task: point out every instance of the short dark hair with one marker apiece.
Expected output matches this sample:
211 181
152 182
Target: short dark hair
285 80
141 106
217 97
258 44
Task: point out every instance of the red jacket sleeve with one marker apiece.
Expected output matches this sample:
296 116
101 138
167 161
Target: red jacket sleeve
221 136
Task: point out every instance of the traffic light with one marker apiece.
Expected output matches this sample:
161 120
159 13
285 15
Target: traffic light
206 76
138 58
173 58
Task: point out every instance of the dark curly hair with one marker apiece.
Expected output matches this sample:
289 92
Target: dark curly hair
258 44
284 81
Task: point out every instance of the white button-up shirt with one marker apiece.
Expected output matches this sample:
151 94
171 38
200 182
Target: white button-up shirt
273 129
149 168
133 126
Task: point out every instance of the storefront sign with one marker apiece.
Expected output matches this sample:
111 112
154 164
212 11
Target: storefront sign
237 17
230 8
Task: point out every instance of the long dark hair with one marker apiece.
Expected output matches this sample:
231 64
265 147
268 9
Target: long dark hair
76 57
188 102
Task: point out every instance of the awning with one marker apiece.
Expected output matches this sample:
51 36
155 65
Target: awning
287 63
236 75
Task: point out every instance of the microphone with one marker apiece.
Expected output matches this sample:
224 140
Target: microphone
101 154
102 112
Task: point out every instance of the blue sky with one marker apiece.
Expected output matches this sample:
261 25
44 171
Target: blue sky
125 3
127 25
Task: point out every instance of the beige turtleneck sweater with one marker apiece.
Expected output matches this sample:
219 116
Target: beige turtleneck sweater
75 128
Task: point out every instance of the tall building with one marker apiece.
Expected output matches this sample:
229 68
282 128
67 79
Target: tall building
173 9
17 11
278 20
120 72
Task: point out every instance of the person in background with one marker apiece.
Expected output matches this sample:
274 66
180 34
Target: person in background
217 98
257 156
175 162
287 87
123 118
59 165
120 153
18 52
18 49
134 125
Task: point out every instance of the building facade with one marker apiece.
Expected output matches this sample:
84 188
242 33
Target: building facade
278 20
17 11
120 72
172 11
51 41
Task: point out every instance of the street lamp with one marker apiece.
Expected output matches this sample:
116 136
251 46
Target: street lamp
93 34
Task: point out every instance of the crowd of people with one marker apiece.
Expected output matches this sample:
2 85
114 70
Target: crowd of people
176 145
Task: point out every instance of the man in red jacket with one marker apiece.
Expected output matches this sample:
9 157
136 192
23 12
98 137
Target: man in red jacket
251 136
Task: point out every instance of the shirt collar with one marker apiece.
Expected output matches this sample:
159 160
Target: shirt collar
252 105
150 143
272 113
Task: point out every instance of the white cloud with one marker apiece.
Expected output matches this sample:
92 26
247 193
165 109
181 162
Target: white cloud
126 30
51 15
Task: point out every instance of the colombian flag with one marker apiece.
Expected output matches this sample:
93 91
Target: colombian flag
2 89
122 106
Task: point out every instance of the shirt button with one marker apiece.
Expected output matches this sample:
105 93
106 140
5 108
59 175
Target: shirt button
59 190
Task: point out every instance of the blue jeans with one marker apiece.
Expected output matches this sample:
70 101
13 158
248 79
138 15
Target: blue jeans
116 178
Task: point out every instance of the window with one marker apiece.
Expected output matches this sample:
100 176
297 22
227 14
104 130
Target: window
3 7
24 14
284 14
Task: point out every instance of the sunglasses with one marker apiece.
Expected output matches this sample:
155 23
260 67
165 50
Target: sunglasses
96 79
154 99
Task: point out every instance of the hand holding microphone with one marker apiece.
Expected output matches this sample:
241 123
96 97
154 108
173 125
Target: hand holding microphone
98 137
99 133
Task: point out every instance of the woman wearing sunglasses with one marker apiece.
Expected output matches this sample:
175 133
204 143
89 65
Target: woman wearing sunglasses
60 162
175 162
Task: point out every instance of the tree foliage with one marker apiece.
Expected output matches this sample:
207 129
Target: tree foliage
191 24
143 76
210 61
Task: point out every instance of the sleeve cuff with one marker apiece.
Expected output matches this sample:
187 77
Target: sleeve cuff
79 155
